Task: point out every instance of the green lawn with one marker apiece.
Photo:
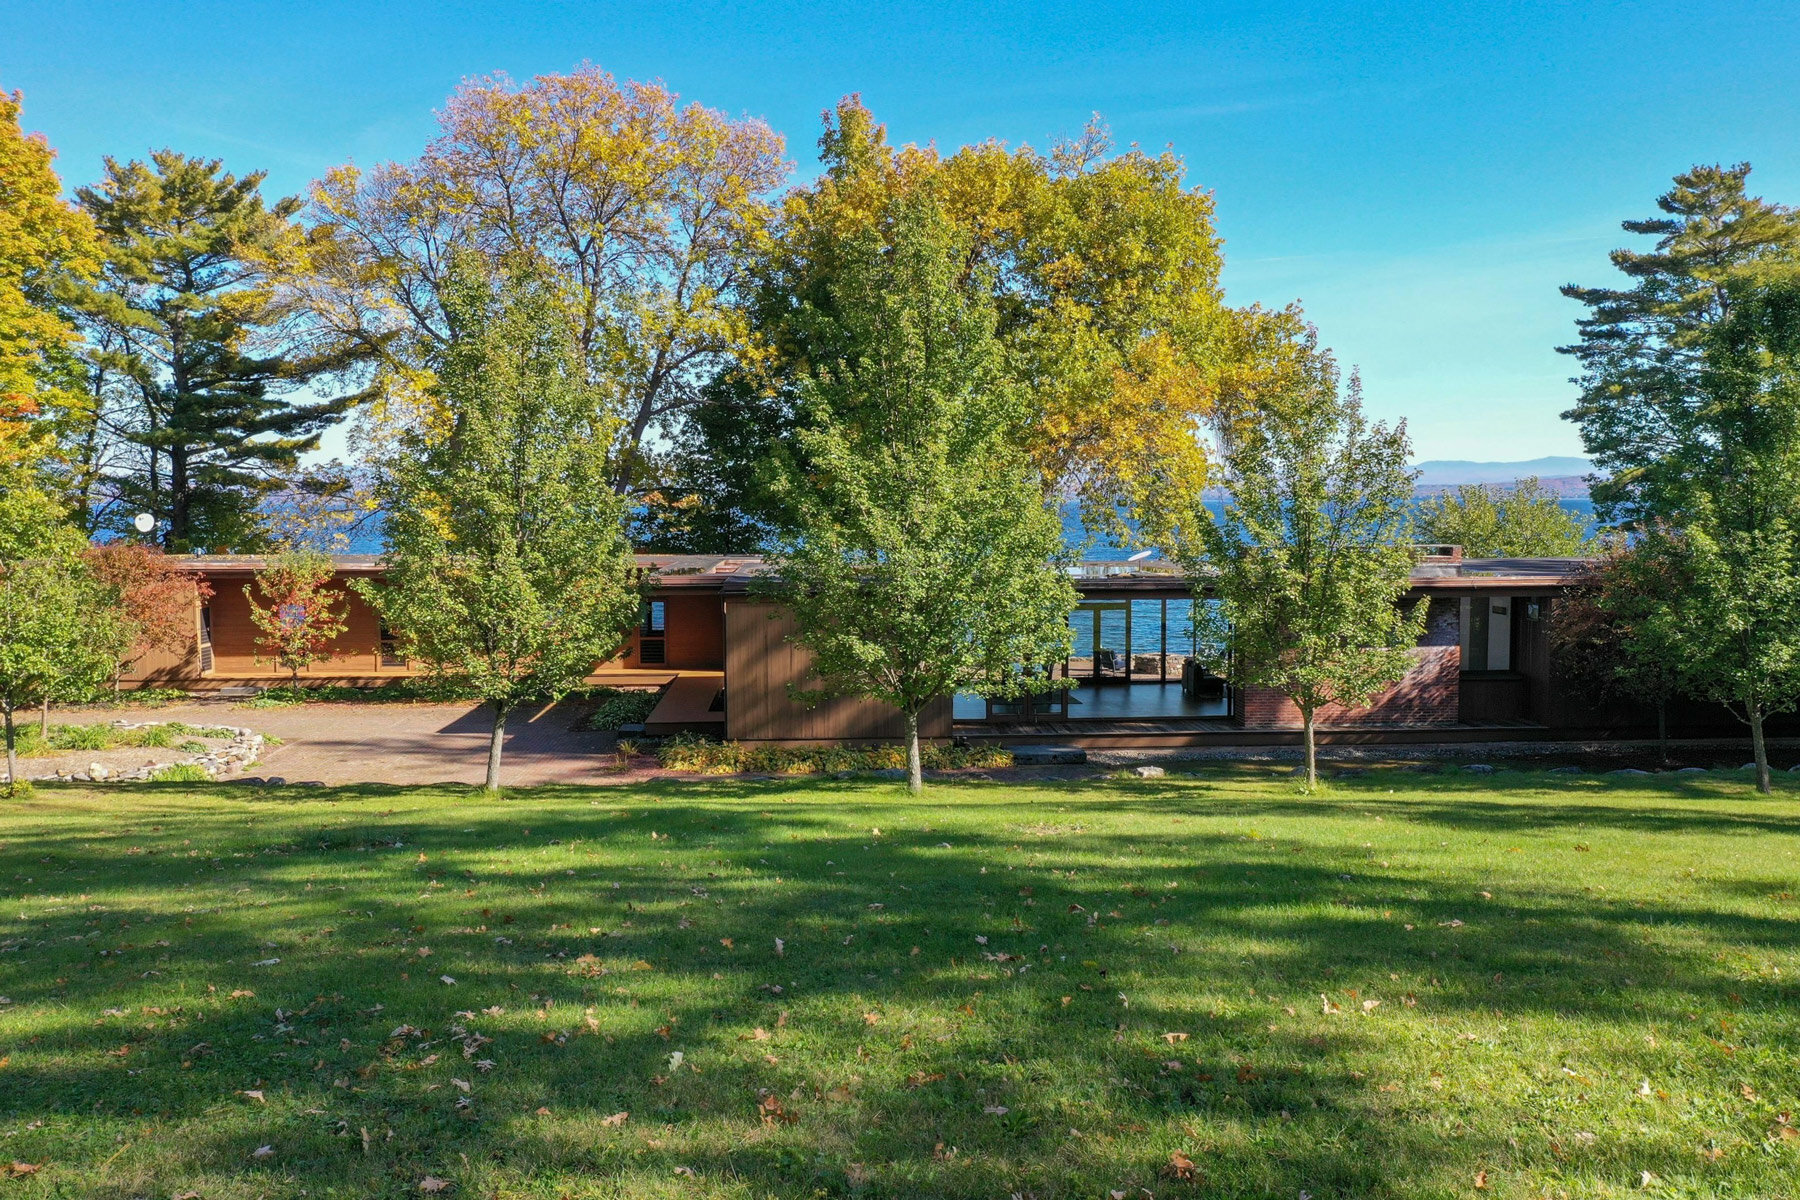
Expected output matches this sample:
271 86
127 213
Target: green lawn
1412 985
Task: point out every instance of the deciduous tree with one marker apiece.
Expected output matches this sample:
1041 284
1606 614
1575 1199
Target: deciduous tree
47 250
923 559
60 630
508 573
1525 520
1608 634
1311 557
303 611
638 213
1103 271
1734 618
157 599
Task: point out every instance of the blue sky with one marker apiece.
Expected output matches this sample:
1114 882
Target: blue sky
1421 176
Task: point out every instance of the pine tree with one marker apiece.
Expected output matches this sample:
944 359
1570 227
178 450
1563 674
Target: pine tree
1642 347
194 375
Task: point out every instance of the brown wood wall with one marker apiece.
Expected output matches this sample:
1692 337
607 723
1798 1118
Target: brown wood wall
356 651
760 663
694 634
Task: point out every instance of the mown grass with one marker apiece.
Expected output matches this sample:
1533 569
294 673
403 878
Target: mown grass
1406 986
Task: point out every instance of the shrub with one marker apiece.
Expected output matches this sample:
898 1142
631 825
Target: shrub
620 706
180 773
152 735
690 752
192 747
81 737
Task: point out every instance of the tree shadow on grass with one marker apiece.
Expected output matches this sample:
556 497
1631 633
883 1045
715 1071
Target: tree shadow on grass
908 1103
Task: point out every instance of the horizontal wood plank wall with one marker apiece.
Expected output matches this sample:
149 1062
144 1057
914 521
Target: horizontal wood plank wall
356 651
760 663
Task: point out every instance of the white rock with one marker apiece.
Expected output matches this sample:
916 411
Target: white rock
1148 772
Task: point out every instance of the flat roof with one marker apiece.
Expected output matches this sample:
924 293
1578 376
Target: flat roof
733 572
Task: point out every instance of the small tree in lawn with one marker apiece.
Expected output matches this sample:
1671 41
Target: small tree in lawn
508 571
1310 559
156 599
924 560
304 612
60 631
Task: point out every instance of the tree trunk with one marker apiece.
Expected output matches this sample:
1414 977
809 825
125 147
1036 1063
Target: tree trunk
1662 728
44 720
1758 749
1312 761
12 755
915 776
495 740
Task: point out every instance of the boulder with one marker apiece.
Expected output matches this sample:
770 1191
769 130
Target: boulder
1565 770
1479 768
1690 771
97 771
1628 771
1148 772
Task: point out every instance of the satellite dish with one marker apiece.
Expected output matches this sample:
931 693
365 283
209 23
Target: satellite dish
143 522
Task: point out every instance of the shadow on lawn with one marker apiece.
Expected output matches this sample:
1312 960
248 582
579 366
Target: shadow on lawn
1056 1019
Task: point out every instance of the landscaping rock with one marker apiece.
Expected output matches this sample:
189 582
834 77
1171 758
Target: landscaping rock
1565 770
1048 756
885 773
1479 768
1691 771
1628 771
277 781
1749 766
97 771
1148 772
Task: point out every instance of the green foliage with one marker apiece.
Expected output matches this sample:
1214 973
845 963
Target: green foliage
1507 1013
181 773
1733 618
1310 559
81 737
924 559
60 634
692 752
193 376
508 573
1525 520
619 706
1643 412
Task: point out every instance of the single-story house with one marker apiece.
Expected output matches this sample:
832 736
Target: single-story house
725 662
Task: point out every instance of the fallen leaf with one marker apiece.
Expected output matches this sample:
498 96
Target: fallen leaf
255 1094
870 1018
618 1118
19 1169
263 1152
431 1185
1172 1038
1181 1166
1481 1181
996 1110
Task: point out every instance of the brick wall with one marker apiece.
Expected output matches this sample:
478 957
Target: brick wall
1428 694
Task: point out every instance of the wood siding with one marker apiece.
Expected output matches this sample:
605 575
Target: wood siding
760 663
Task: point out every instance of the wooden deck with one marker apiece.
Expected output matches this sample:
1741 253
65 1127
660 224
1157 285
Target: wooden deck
687 706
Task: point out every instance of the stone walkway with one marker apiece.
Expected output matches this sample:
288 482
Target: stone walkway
403 743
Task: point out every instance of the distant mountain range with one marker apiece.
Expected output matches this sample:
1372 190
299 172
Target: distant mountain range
1561 474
